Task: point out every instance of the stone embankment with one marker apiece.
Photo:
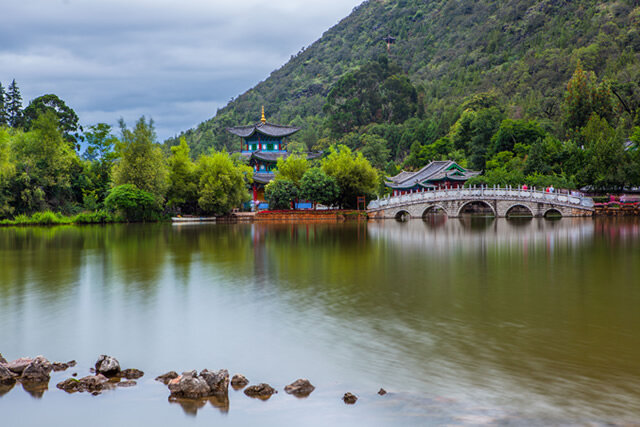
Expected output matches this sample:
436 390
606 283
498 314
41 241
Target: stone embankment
309 215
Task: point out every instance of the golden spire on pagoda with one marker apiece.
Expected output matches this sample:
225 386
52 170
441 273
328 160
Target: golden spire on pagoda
263 119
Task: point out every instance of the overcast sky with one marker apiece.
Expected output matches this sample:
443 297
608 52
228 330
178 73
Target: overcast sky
174 61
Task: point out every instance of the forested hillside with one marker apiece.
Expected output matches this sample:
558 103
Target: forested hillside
519 53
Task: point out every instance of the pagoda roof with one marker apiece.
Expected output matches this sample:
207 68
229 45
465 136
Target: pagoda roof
273 156
262 178
268 129
433 172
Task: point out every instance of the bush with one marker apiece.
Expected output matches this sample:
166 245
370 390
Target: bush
132 203
280 194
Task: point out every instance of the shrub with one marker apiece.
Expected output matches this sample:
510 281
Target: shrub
132 203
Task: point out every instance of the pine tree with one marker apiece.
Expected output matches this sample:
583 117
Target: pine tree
14 105
4 116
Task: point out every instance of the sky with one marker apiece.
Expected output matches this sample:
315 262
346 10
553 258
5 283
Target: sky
174 61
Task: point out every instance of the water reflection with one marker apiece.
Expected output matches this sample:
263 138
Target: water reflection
527 316
192 406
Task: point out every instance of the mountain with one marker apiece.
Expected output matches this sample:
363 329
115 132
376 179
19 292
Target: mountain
522 52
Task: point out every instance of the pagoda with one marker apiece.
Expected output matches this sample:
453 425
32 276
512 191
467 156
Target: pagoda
434 176
263 144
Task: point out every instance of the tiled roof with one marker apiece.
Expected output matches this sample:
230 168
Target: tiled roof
434 171
262 178
273 156
265 129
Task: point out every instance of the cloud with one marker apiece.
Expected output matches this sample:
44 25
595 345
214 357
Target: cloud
177 62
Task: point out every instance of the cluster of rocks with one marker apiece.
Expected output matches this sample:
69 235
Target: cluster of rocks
30 371
194 385
108 375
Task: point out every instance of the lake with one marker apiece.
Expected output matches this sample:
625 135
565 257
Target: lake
463 321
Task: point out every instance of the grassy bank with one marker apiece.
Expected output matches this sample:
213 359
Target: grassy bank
53 218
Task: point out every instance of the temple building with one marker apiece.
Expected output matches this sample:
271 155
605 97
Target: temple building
434 176
263 144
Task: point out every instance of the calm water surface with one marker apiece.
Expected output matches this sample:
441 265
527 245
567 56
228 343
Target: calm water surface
463 322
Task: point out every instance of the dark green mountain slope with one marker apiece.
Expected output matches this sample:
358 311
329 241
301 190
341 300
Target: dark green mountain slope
525 51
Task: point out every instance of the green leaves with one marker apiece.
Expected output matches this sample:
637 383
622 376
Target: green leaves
222 185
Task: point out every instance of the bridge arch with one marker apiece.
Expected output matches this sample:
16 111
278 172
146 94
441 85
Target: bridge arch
402 215
520 209
553 213
470 202
432 209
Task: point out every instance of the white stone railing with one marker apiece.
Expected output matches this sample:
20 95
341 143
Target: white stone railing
560 197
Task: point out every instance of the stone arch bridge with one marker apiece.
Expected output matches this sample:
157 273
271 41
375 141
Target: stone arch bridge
501 201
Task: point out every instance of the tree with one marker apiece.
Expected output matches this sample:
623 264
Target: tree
67 118
44 167
100 153
374 148
512 132
140 160
7 173
132 203
4 115
14 104
585 97
222 184
605 155
292 168
353 173
318 187
281 194
183 188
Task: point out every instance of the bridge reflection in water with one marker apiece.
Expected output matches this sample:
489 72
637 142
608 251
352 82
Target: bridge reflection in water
496 201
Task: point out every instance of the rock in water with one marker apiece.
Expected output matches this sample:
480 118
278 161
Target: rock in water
382 392
6 376
18 365
59 366
70 385
37 371
189 385
2 359
107 366
131 374
349 398
165 378
300 388
262 391
218 381
93 384
239 381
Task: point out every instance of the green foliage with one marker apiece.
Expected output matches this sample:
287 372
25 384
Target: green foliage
281 194
318 187
291 169
45 167
353 173
4 115
13 105
132 203
375 93
606 155
222 184
67 118
584 97
183 186
140 161
101 157
512 132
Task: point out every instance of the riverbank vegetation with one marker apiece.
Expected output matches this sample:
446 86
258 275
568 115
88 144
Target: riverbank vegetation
528 92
